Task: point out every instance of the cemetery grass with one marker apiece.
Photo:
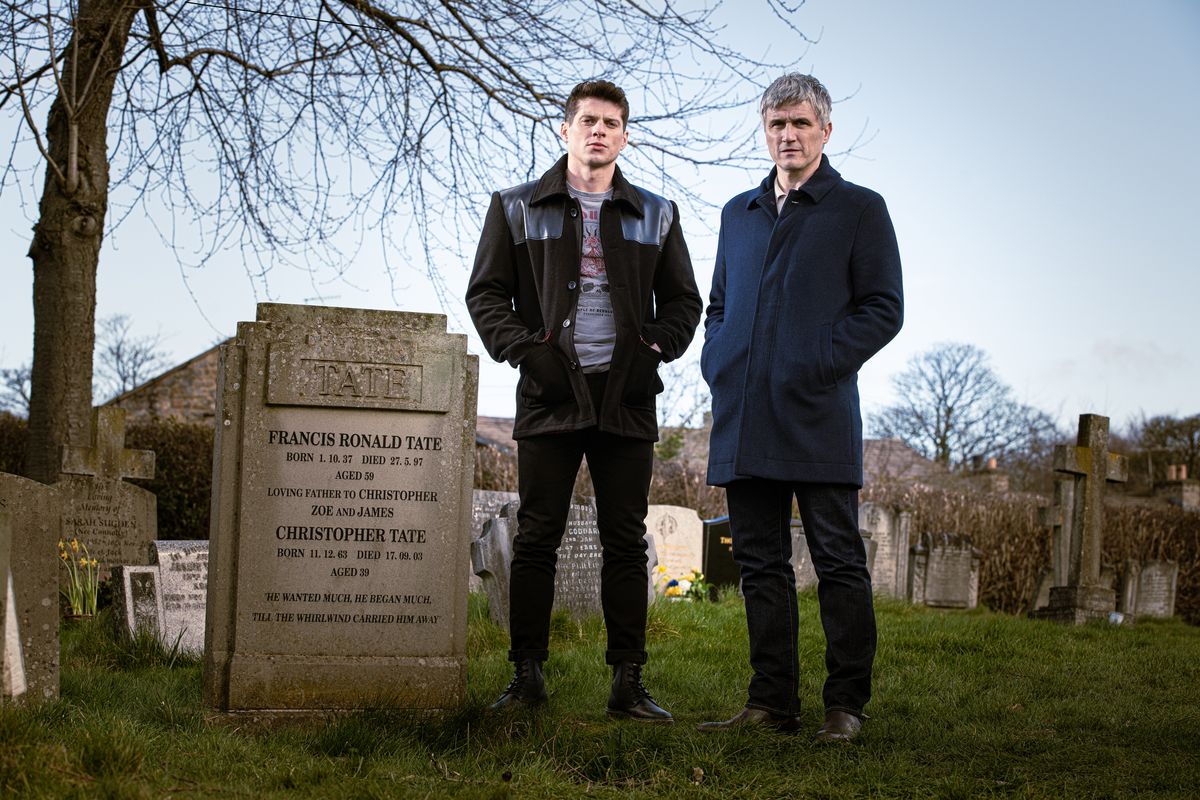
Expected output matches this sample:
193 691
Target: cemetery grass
966 705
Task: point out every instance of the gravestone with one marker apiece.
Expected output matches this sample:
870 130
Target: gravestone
341 513
34 515
116 520
183 584
888 531
1148 589
1091 465
719 567
802 564
678 535
485 505
577 571
1057 518
137 601
11 660
945 572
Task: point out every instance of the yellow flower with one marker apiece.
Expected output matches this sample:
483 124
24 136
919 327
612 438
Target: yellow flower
75 545
63 555
660 568
93 562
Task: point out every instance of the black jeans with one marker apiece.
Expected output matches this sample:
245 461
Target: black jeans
759 517
621 469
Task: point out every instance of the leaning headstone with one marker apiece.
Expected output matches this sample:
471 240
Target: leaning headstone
485 505
945 572
678 535
13 663
719 567
183 585
1091 466
34 513
116 520
137 601
888 530
341 513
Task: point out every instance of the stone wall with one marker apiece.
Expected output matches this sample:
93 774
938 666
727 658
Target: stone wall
186 393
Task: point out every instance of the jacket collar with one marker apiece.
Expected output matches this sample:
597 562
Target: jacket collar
554 183
816 187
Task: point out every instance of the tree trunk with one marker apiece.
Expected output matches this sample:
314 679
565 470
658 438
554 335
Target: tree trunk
67 237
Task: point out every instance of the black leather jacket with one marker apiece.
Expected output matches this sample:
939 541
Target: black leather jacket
524 290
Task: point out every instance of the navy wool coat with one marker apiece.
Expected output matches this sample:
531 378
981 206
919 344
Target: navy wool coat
800 300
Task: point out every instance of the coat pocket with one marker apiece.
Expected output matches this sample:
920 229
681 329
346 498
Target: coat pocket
642 383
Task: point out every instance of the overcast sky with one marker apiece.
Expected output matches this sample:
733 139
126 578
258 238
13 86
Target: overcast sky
1039 160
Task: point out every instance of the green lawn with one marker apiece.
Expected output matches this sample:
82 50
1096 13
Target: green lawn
966 705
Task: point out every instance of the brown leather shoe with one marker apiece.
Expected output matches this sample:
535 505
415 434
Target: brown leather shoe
750 717
839 726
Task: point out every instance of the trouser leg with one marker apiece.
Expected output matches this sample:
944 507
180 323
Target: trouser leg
830 516
760 521
621 469
546 470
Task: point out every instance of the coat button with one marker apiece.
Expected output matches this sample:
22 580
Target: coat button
574 212
574 365
571 285
566 323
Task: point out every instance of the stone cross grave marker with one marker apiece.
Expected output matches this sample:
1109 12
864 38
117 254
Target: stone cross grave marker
1091 466
11 659
116 520
1058 519
341 513
34 515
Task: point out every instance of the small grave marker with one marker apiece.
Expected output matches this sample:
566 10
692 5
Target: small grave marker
11 658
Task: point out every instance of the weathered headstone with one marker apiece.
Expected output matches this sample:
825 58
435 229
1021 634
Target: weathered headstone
888 531
1057 518
802 563
183 584
1084 597
945 572
719 567
341 513
34 513
485 505
678 535
491 561
137 601
116 520
11 660
1148 589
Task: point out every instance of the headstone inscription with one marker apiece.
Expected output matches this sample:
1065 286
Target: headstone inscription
11 660
341 513
1147 589
719 567
1091 466
888 530
34 515
116 520
678 535
183 584
945 571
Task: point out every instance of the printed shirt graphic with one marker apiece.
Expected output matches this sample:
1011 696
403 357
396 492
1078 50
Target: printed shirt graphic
595 330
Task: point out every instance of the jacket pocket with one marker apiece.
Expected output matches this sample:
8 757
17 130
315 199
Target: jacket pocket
642 383
544 377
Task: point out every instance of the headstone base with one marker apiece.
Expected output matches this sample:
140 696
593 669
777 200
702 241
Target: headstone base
1075 605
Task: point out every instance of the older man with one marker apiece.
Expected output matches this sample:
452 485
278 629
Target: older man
806 288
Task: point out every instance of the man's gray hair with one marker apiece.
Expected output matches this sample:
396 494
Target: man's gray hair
796 88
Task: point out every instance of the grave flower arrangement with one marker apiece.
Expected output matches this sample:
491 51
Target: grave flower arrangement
689 586
83 577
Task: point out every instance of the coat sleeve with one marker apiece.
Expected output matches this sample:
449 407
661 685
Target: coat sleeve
492 288
878 302
714 316
677 303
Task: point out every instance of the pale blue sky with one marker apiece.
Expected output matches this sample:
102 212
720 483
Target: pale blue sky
1039 160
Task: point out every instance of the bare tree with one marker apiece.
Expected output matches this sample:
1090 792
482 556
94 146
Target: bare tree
1169 440
14 390
273 126
124 360
952 406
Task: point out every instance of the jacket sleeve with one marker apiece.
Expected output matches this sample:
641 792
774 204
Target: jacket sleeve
677 303
492 288
878 303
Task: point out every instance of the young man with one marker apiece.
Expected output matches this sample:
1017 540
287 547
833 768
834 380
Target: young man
583 282
806 288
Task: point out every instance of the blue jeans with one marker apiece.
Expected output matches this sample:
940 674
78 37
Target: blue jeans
759 517
621 468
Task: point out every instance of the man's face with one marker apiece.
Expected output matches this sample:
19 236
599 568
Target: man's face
596 135
795 139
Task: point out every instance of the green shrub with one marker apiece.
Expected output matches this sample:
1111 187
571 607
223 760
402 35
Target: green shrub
182 474
12 443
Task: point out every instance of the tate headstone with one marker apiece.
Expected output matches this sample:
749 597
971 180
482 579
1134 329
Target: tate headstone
34 518
116 520
341 513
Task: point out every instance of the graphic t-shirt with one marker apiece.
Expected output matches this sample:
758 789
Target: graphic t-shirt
595 330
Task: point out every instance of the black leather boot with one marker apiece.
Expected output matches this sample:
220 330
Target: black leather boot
629 698
527 688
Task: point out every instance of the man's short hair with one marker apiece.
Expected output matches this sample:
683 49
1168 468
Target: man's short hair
600 90
796 88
